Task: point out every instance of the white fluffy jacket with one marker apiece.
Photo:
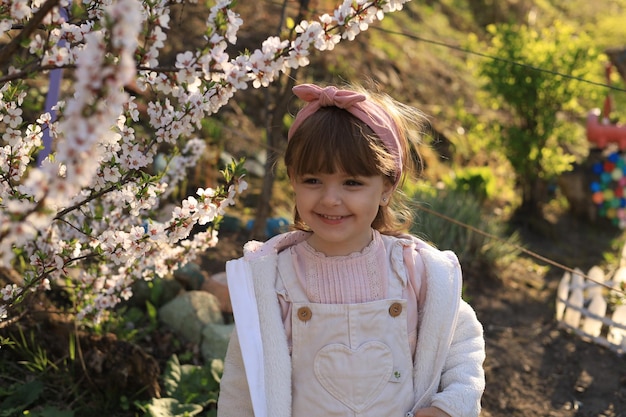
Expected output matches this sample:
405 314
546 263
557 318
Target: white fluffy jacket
450 351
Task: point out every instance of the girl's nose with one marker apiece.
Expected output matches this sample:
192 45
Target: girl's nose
331 196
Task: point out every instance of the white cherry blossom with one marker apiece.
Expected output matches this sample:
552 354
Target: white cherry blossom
91 197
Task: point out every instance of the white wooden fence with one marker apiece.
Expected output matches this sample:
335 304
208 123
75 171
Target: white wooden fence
591 308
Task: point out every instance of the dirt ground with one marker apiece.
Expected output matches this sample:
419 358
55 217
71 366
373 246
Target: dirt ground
533 367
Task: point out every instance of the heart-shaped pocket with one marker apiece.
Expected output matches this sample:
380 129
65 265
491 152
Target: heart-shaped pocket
354 376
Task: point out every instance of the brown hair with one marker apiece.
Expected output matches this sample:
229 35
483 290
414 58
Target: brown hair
332 140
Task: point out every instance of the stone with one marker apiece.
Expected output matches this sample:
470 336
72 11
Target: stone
188 313
216 284
215 338
190 275
158 292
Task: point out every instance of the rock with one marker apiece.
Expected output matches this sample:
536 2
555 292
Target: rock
188 313
190 275
216 285
215 339
194 278
159 291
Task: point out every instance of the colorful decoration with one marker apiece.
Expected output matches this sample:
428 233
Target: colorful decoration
602 132
608 191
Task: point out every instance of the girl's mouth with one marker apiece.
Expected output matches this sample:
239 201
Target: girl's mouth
327 217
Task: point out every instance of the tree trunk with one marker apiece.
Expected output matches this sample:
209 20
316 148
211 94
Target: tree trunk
275 144
277 104
534 196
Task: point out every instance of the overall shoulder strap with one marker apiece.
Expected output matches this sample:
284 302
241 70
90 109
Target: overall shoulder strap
288 276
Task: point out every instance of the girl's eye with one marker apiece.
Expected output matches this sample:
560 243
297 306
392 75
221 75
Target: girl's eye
353 183
309 180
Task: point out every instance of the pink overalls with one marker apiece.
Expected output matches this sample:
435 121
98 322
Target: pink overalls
349 359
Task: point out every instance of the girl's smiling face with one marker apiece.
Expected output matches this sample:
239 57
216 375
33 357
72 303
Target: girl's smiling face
339 208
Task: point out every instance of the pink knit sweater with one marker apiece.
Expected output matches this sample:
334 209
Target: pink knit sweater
356 278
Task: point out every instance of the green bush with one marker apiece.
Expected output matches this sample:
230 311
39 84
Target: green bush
454 219
541 138
477 181
190 390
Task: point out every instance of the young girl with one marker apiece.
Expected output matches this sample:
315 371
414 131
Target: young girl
347 316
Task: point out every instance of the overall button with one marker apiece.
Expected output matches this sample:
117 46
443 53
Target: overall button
304 313
395 309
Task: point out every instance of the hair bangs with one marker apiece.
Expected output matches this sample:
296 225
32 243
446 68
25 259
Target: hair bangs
333 140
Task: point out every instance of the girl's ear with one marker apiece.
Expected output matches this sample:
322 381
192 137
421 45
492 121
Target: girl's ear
386 195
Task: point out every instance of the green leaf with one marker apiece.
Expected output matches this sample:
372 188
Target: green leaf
217 369
152 312
192 384
171 407
172 375
23 396
55 412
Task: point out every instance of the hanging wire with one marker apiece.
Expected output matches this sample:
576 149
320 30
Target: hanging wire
495 58
517 247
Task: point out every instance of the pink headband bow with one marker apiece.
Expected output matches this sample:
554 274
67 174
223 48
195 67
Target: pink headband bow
357 104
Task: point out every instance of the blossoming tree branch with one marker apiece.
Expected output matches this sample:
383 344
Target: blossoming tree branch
77 197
